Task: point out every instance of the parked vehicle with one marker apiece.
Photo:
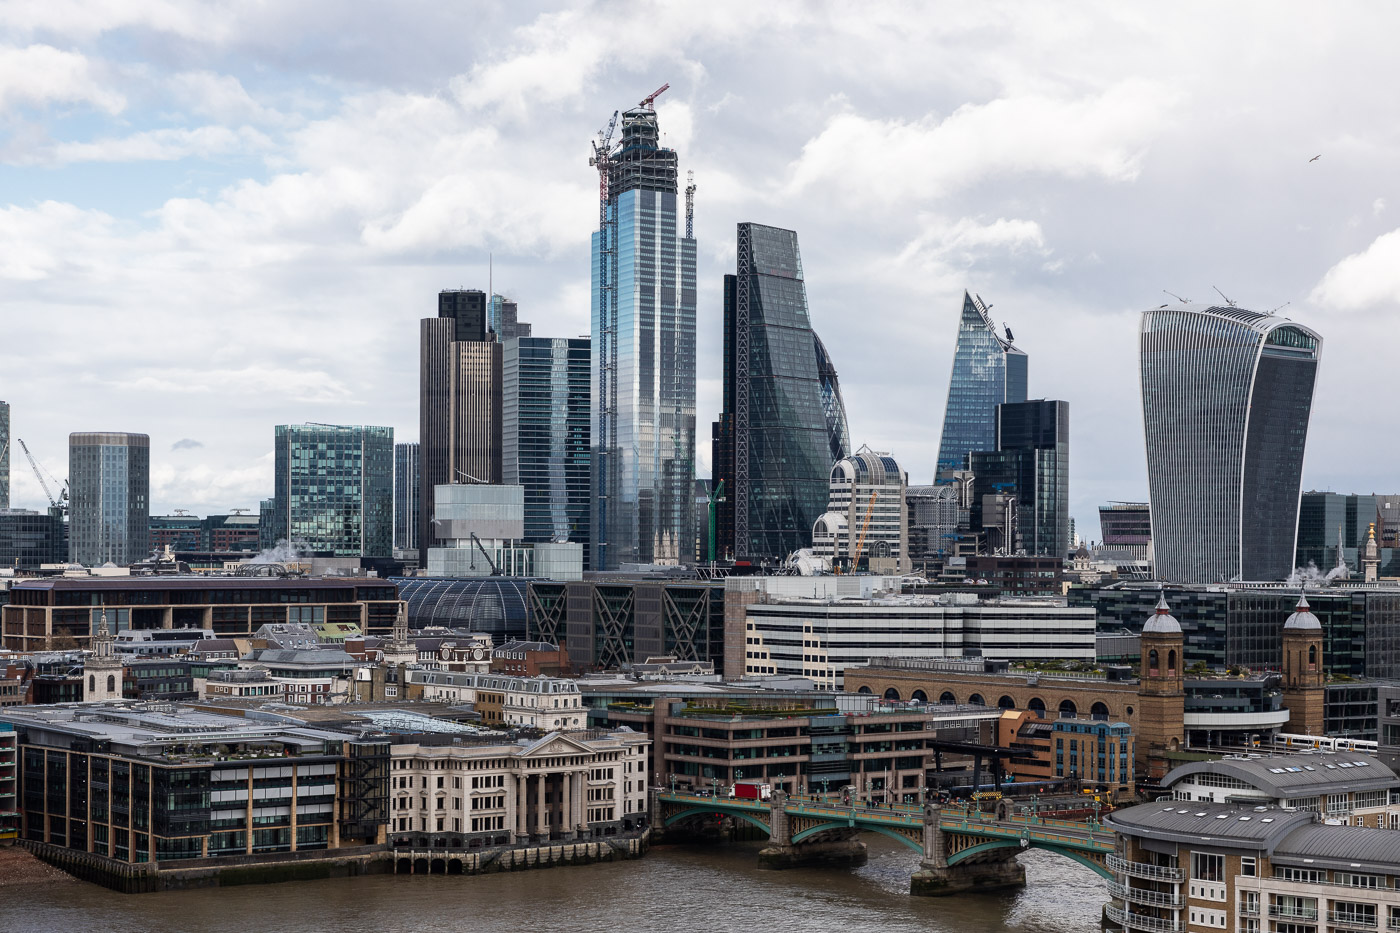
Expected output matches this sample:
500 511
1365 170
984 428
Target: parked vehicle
746 790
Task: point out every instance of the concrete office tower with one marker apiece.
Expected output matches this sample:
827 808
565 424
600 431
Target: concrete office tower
407 488
866 522
109 475
4 455
643 379
459 402
773 443
1031 463
502 319
334 489
987 371
1226 395
545 435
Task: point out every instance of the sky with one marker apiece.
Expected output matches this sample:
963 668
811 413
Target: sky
216 218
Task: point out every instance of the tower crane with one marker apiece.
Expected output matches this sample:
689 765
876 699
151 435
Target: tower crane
650 99
62 501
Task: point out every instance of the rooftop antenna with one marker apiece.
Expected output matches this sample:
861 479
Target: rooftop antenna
1176 296
1225 296
1281 307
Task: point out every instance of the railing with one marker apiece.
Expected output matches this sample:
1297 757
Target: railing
1351 919
1141 921
1293 913
1143 869
1144 896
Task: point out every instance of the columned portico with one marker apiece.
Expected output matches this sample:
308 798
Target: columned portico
541 809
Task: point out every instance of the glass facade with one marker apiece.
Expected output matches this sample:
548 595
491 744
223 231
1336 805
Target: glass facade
29 539
4 455
545 431
837 430
334 488
1038 433
110 480
1324 518
987 371
496 606
643 373
775 437
1226 395
408 481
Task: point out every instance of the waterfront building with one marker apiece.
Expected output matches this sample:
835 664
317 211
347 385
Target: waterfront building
1350 786
29 539
135 784
546 435
334 488
988 370
610 624
408 483
110 481
463 791
1090 752
1226 397
1216 866
459 401
643 341
53 612
782 416
866 522
1029 463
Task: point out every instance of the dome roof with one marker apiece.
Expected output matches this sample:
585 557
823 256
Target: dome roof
1162 622
1302 618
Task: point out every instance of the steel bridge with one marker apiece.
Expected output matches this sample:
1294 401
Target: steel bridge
960 849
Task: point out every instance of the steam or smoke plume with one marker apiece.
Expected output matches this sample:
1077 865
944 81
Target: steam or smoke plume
1311 576
284 553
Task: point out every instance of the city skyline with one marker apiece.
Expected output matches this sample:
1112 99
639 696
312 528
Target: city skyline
1067 191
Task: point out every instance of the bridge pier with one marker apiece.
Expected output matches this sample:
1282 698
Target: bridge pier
936 878
782 853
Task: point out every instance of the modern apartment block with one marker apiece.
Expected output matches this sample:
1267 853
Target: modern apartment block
988 370
407 489
334 488
643 340
110 482
546 432
459 402
783 416
1226 398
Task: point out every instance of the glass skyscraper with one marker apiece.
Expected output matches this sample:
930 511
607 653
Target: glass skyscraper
1226 396
783 417
643 373
545 434
334 489
1030 462
987 371
110 481
408 479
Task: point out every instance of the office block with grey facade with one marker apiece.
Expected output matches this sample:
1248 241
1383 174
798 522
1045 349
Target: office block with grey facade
407 489
109 475
334 488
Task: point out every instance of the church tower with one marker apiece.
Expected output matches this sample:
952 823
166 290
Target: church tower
1161 688
1304 689
103 668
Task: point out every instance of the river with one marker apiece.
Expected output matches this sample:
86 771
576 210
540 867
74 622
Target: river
674 889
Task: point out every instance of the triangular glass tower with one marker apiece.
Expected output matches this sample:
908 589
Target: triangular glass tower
987 371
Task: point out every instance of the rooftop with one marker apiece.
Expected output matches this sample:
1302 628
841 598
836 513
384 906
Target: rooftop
1291 776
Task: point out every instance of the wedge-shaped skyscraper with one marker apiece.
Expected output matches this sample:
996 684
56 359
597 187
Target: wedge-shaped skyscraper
1226 395
987 371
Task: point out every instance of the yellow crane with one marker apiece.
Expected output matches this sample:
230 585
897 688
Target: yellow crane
864 527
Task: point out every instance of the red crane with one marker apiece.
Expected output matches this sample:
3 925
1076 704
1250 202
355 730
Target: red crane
650 99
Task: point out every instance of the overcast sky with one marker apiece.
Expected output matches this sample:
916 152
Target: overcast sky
218 218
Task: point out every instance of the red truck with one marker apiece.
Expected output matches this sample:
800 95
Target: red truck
746 790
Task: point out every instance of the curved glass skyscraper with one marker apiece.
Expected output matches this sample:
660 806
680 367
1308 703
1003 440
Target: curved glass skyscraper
838 432
987 371
1226 395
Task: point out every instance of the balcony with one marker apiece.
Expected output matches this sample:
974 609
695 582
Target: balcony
1349 920
1293 913
1143 869
1144 896
1132 921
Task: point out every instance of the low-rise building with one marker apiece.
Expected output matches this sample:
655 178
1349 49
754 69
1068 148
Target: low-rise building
1357 788
547 703
530 659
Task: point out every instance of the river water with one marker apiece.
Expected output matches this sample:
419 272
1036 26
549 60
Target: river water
674 889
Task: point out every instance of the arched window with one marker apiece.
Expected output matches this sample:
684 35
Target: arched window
1312 657
1098 711
1006 703
1152 665
947 699
919 697
111 683
863 690
976 700
1037 706
1068 710
892 694
1171 662
92 683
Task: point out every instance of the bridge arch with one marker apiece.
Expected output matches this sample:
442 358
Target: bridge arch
811 831
982 848
691 812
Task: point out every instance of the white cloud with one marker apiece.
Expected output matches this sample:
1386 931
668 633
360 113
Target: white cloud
165 145
222 98
39 75
1363 280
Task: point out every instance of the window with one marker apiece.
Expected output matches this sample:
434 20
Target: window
1248 866
1207 867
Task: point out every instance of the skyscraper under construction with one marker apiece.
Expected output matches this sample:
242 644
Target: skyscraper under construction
643 337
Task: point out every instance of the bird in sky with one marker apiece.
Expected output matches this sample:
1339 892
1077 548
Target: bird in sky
1316 157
